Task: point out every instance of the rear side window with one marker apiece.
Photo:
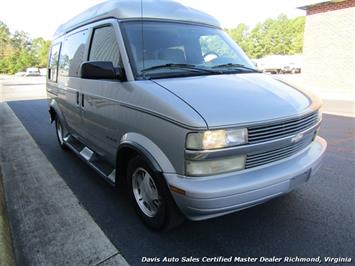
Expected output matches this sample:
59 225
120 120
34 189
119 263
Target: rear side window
104 46
72 54
53 63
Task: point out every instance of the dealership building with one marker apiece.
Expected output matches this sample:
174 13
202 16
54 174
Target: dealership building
329 48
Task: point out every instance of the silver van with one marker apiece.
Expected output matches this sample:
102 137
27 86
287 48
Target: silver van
155 96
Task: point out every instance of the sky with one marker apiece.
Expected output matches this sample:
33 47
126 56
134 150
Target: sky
40 18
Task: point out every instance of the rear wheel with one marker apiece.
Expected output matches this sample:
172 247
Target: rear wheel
60 130
151 197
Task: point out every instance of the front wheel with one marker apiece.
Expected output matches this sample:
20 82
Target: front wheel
60 131
151 196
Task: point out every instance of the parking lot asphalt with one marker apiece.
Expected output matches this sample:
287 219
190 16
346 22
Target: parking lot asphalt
317 219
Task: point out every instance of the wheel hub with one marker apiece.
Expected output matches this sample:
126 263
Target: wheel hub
145 192
60 132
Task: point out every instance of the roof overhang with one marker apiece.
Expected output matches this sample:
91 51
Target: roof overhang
319 3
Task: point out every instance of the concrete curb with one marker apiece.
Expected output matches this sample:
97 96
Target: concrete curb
6 252
48 224
339 107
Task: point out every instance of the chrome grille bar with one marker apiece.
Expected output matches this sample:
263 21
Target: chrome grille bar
258 159
281 129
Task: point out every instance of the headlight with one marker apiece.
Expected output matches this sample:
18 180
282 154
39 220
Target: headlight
213 167
214 139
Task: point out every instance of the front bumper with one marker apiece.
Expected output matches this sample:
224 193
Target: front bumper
207 197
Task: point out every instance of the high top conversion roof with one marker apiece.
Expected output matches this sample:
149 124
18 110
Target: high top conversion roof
132 9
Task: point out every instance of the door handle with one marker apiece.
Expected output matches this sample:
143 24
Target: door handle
82 100
77 98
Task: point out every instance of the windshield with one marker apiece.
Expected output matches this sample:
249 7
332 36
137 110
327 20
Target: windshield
169 49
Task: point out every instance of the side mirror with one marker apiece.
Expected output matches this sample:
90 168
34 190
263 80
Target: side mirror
100 70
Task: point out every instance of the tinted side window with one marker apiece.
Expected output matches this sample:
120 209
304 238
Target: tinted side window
104 46
72 54
53 63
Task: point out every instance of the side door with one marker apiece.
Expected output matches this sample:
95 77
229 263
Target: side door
73 52
101 97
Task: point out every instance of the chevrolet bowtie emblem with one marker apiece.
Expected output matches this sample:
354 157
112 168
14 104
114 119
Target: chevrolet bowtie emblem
297 138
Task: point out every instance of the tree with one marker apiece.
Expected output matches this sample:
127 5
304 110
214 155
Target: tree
240 35
19 58
39 51
18 51
4 39
20 40
297 26
23 61
5 47
281 36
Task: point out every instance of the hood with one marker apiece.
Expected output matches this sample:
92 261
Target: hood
225 100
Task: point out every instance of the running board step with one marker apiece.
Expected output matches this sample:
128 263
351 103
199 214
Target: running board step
97 162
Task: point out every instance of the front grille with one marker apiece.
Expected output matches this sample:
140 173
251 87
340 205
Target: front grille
279 130
261 158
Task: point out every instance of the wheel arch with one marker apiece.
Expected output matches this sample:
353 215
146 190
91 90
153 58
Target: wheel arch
54 111
134 144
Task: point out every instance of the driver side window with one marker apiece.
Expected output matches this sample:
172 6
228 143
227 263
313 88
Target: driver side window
104 46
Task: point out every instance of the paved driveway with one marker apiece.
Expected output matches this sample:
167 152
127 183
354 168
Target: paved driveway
315 220
14 88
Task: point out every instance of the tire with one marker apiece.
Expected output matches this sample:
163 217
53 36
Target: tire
151 197
59 130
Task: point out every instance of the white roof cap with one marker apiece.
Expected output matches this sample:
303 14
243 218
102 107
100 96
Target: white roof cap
131 9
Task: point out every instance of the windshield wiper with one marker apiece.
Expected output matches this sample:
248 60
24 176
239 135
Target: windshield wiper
240 66
181 66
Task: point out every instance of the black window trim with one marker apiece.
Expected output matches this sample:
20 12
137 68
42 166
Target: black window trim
65 38
107 24
92 37
57 66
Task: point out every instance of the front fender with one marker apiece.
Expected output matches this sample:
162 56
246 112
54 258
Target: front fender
54 110
149 149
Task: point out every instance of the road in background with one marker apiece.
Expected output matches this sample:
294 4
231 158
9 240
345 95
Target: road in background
315 220
333 103
14 88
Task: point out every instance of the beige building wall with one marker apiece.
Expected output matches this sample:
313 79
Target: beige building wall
329 53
